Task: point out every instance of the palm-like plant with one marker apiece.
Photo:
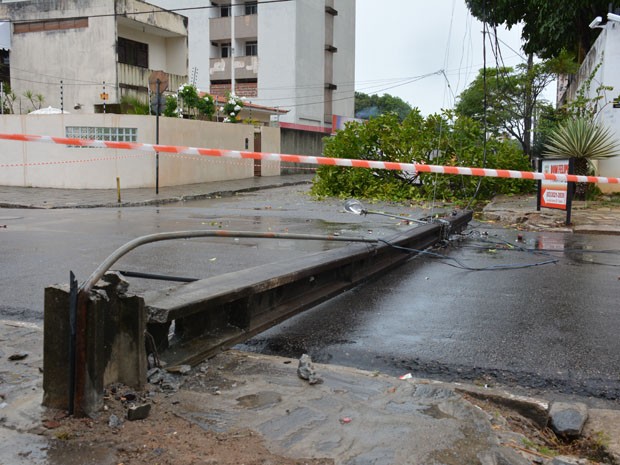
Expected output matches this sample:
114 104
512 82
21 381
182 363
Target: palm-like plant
581 138
584 140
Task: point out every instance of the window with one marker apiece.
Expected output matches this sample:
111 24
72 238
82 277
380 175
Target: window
251 49
105 133
251 8
133 53
225 11
225 50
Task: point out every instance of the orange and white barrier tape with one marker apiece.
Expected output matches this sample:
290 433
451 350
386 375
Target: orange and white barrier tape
344 162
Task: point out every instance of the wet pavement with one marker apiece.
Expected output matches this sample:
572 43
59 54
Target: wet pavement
587 217
24 197
441 427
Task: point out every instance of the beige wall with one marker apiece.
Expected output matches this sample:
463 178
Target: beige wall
270 142
35 164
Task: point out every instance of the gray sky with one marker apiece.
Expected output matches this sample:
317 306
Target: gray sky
401 40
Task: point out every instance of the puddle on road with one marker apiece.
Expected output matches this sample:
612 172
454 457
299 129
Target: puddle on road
260 400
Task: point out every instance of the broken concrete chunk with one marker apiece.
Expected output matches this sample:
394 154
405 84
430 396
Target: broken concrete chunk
568 419
138 412
114 421
306 371
155 375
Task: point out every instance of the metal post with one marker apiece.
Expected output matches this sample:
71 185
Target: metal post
104 97
157 105
62 98
570 191
539 182
73 289
232 47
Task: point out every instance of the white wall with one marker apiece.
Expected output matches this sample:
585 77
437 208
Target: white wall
276 71
310 63
344 59
198 31
605 51
52 165
40 60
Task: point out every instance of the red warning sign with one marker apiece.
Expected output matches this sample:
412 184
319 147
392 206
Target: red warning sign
554 194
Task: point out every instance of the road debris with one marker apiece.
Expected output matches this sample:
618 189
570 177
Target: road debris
306 371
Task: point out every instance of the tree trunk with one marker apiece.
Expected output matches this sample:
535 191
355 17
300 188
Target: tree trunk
529 106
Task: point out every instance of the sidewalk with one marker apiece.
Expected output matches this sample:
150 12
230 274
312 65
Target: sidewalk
593 217
37 197
587 217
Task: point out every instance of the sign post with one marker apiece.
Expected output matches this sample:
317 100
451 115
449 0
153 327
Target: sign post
556 194
158 83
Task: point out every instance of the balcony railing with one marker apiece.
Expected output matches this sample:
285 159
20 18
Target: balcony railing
246 27
135 77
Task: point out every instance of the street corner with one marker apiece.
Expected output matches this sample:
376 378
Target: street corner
352 416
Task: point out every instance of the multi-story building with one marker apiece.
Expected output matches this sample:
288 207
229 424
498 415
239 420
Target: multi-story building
82 55
298 55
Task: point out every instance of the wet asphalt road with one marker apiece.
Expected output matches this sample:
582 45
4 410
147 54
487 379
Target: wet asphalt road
548 328
544 328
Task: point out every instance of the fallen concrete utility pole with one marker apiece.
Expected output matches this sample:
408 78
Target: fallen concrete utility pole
115 331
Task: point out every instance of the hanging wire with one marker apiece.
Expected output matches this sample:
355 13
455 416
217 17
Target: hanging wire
485 103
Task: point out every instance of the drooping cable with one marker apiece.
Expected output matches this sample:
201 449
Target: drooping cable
485 103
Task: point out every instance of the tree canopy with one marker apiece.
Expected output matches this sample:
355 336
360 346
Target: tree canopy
549 26
512 95
368 106
443 139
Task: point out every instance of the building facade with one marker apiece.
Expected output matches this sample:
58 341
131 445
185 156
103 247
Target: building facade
602 64
85 55
295 55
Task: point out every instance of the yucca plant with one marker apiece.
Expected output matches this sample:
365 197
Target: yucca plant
584 140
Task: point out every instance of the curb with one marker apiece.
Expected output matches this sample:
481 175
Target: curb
155 201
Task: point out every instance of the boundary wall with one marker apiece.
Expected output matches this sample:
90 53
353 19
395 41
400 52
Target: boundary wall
59 166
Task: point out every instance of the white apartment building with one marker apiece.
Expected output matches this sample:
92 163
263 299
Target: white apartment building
296 55
82 55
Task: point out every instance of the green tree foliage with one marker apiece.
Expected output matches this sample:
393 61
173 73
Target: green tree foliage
369 106
437 139
549 26
8 100
187 103
134 106
577 134
36 100
512 97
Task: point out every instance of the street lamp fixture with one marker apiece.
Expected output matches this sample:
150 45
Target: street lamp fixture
357 208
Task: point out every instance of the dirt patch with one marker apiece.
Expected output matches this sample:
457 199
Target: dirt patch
163 438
